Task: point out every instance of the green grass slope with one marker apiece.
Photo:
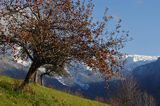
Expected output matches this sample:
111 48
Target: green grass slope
36 95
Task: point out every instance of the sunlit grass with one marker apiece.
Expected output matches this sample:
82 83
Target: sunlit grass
37 95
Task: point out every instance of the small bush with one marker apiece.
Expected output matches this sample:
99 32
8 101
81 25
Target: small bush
129 94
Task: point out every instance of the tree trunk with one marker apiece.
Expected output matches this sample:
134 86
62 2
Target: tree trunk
41 78
31 71
35 77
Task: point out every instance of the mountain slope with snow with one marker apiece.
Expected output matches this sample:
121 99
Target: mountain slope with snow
81 74
133 61
81 79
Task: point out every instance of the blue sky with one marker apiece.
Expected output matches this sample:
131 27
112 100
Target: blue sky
141 18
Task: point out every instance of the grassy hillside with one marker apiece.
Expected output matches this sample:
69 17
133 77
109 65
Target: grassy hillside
37 95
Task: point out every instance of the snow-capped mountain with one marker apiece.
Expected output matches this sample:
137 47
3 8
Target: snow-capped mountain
136 58
81 79
133 61
80 74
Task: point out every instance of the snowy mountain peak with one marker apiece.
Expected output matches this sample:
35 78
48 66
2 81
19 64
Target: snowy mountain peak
136 58
133 61
81 74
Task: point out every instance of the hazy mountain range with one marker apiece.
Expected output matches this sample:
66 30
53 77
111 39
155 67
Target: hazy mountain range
79 74
146 69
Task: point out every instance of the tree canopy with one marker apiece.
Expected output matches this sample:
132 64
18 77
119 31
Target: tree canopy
56 32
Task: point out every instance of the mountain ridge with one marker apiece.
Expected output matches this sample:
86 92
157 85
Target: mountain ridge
82 75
